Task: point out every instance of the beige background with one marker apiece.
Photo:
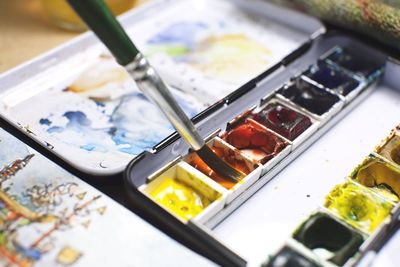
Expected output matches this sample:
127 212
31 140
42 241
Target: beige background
26 32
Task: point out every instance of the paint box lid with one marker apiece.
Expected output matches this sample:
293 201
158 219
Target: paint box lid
79 104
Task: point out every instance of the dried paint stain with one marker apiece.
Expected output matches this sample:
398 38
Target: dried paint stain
358 207
283 120
181 199
255 141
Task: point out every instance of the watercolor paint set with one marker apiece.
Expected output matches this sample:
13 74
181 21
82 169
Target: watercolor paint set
289 106
281 118
357 214
51 218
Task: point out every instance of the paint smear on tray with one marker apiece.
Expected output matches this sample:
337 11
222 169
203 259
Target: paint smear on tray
101 119
213 51
232 57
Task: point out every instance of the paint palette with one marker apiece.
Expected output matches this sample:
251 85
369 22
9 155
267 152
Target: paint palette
261 132
87 111
355 213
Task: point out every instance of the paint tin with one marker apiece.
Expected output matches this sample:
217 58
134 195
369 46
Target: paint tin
189 64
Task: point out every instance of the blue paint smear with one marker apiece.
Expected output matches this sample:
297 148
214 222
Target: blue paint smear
179 33
31 253
45 121
55 129
77 119
136 125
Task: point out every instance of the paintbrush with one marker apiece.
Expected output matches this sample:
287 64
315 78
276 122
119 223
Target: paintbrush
101 21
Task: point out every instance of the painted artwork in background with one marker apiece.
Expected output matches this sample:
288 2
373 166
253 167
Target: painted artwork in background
34 215
48 217
101 117
213 49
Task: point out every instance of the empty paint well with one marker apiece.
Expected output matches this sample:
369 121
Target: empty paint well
186 193
312 98
334 79
358 206
257 142
379 175
390 150
288 257
328 238
284 120
355 62
250 169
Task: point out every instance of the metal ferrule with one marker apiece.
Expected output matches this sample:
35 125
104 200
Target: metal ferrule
152 86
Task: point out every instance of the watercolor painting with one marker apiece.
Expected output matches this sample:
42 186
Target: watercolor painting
101 118
48 217
33 214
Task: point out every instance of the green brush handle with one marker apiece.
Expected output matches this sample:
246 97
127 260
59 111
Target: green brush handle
102 22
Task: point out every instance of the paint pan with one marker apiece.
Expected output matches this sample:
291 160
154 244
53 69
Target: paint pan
379 175
335 80
257 142
311 98
328 238
186 193
354 61
250 169
358 206
288 257
390 149
285 120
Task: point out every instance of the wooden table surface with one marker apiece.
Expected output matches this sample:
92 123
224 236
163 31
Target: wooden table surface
25 32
